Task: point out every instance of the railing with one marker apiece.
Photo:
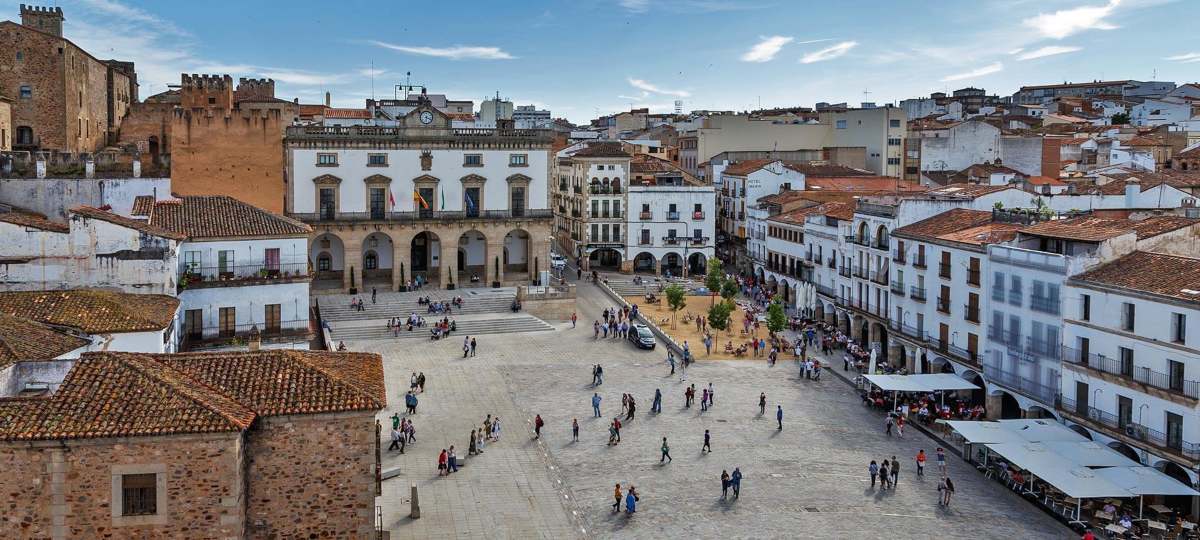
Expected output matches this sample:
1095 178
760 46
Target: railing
860 272
576 213
379 132
419 215
1128 372
998 294
972 312
1036 260
916 293
1045 305
1007 337
898 288
827 291
920 262
1014 297
194 277
577 189
898 256
915 332
944 270
562 186
873 209
844 271
1130 429
880 276
222 334
672 216
697 240
973 277
943 305
672 240
604 190
967 354
1045 393
1042 348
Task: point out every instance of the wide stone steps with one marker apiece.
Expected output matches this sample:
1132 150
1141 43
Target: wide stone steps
385 308
511 324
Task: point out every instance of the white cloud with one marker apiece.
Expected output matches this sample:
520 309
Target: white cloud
132 14
766 49
371 72
648 87
636 6
1050 50
985 70
457 52
1016 50
1067 22
828 53
1186 58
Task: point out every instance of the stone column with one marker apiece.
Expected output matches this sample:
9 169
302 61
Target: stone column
994 404
448 260
352 265
658 267
494 265
401 253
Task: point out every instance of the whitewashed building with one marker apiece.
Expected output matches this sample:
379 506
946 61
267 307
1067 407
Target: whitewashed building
96 320
742 184
671 228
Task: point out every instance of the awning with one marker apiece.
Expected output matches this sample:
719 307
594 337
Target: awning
1145 481
1006 431
921 383
1090 454
1059 471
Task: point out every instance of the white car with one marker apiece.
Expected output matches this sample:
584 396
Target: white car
557 262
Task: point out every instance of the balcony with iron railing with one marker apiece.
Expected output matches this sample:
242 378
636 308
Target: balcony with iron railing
844 271
425 215
919 262
832 263
267 273
943 305
944 270
672 240
998 294
1043 304
971 313
880 276
971 357
697 240
973 277
914 332
604 190
898 256
898 288
1045 393
1131 375
1125 429
916 293
577 189
238 334
1014 297
672 216
698 215
825 290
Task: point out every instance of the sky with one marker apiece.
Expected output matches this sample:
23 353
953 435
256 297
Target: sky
584 58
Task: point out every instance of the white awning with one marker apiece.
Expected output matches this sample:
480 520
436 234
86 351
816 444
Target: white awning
921 383
1145 481
1090 454
1059 471
1007 431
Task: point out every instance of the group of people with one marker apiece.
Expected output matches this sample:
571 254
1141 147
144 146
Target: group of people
413 321
440 306
887 472
617 322
487 432
403 433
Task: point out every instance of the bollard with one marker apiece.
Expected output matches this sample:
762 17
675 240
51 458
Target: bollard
416 506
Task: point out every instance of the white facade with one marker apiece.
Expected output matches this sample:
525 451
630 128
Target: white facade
673 226
1157 112
530 117
54 197
740 192
974 142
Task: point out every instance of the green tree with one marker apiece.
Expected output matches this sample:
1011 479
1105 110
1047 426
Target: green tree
714 279
776 318
676 299
1120 119
729 289
718 315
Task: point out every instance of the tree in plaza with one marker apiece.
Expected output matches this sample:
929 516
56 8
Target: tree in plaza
718 315
776 318
729 290
676 299
714 279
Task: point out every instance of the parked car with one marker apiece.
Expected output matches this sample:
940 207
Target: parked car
641 336
557 262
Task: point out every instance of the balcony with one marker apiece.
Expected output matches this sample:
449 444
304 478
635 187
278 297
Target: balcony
604 190
971 313
898 288
425 215
917 293
944 270
973 277
1130 375
972 357
997 294
200 277
672 240
920 262
1126 429
672 216
1014 297
827 291
1047 394
832 263
577 189
645 241
238 334
562 186
898 257
1043 304
697 216
697 240
915 332
575 213
943 305
879 276
860 272
645 216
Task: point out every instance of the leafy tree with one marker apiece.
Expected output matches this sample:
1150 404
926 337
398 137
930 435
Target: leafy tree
714 279
676 299
1120 119
776 318
729 290
718 315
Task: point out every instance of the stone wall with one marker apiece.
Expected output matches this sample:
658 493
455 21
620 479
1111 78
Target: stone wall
65 491
239 155
548 303
312 476
6 127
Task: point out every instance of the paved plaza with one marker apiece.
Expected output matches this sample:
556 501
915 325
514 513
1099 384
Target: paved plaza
807 481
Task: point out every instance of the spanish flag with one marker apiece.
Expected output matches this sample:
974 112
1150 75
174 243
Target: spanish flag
418 200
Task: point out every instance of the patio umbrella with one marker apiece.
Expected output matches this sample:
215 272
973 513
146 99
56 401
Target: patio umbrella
871 366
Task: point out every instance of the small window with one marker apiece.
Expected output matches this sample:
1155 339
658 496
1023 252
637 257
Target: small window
1179 328
212 101
473 160
1085 310
894 123
326 160
841 124
518 160
1128 313
139 494
26 91
376 159
20 56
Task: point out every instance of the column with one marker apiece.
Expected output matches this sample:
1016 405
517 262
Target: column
401 254
658 266
351 262
494 265
994 405
448 258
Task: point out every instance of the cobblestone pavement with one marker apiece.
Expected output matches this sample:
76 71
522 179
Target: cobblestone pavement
807 481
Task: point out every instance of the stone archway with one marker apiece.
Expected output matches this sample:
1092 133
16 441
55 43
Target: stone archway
697 264
425 257
1080 430
326 255
376 264
609 259
474 247
1009 408
1125 450
517 251
672 264
644 263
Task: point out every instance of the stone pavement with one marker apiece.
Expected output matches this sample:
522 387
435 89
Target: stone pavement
808 480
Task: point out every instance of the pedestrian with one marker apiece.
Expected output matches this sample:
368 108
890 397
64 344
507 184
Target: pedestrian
736 481
537 426
421 381
573 319
412 382
632 407
473 346
941 460
708 341
873 469
466 345
884 475
617 425
945 489
779 415
617 498
496 429
372 295
599 374
754 345
921 462
671 360
631 499
703 399
479 441
666 451
656 406
595 329
442 463
596 405
724 484
412 432
624 403
575 429
707 443
396 436
762 403
900 427
472 446
887 425
895 468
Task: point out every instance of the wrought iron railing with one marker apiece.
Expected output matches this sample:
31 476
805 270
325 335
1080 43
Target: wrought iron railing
1131 429
1127 371
916 293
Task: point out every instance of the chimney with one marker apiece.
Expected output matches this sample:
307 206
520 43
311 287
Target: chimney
326 99
1132 189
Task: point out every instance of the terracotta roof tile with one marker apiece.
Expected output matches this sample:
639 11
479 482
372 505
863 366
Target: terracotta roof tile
220 216
797 217
1164 275
948 222
1045 180
33 221
607 149
143 205
137 225
130 394
843 211
1098 229
970 191
861 183
93 311
359 114
747 166
23 339
813 169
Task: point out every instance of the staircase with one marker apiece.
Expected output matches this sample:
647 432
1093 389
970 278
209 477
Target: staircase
393 304
508 324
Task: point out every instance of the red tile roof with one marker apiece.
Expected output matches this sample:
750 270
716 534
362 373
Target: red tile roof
1098 229
130 394
607 149
747 166
970 191
797 216
359 114
93 311
23 339
220 216
960 225
1165 275
862 183
137 225
33 221
143 205
1045 180
813 169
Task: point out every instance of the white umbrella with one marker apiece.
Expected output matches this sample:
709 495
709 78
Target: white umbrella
871 366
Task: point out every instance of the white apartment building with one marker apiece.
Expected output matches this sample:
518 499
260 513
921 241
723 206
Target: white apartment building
589 204
742 184
825 232
530 117
1131 365
671 228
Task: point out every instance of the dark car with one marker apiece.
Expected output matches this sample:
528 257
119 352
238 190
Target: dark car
641 336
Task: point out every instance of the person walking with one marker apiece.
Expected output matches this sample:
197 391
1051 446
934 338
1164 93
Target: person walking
885 475
537 426
573 319
671 360
666 451
900 426
442 463
631 499
496 429
396 436
712 394
887 425
779 415
921 462
599 375
656 405
703 399
617 425
596 405
473 346
372 295
595 329
617 498
707 443
762 403
471 445
945 490
736 482
895 468
632 408
575 429
873 469
941 461
466 345
451 461
724 484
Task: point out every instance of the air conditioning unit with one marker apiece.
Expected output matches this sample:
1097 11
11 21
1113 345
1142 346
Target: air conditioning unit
1136 431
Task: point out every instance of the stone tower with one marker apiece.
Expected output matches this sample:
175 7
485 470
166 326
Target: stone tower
45 19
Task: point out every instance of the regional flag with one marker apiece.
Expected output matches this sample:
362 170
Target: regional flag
419 200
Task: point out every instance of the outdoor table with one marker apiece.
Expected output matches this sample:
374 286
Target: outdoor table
1117 529
1189 525
1156 525
1100 514
1160 509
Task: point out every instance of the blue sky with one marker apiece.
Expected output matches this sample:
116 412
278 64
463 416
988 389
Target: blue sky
584 57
